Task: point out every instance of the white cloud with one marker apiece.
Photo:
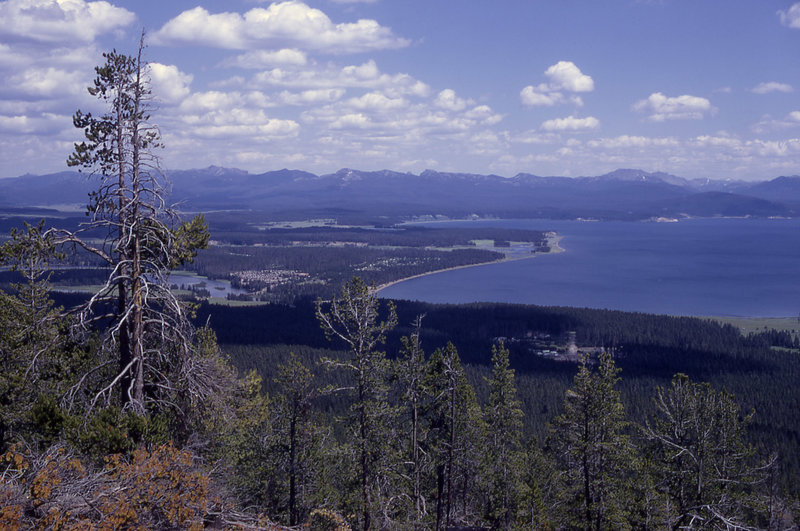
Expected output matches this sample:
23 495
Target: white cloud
447 99
237 122
310 97
768 123
45 124
791 17
54 21
771 86
531 96
685 107
483 114
169 84
562 76
44 82
199 102
565 75
387 120
352 121
631 141
376 101
533 137
571 123
257 59
366 75
716 142
291 24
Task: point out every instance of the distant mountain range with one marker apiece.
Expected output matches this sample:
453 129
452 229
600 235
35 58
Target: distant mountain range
621 194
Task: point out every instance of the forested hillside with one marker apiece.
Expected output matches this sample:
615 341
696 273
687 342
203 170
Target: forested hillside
417 415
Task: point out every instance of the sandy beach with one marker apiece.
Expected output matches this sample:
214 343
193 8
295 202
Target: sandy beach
553 240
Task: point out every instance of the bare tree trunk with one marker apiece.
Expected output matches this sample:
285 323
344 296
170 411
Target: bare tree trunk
292 470
451 449
136 255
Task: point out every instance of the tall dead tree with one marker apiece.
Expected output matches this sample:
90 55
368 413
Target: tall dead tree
143 239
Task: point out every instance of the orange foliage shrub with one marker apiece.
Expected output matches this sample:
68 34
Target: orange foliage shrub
157 489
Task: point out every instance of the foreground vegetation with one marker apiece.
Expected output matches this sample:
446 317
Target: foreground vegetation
357 438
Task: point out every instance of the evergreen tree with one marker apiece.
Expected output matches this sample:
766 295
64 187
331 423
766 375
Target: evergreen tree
38 360
414 393
454 442
149 335
593 451
704 467
353 318
540 479
503 417
296 437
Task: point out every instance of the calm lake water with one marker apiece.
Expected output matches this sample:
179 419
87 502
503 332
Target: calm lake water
724 267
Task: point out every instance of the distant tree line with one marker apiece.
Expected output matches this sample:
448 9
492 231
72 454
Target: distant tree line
329 267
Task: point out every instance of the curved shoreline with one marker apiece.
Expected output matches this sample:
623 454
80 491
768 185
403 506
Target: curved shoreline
553 240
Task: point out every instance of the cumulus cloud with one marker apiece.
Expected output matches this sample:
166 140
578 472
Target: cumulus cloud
310 97
532 96
54 21
237 122
366 75
378 116
43 82
716 142
447 99
685 107
768 123
483 114
199 102
533 137
571 123
791 17
771 86
169 84
377 102
291 24
563 76
45 124
258 59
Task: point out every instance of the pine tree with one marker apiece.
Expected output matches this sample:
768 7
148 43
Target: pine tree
411 376
704 467
454 443
503 417
353 317
294 432
38 361
592 449
148 334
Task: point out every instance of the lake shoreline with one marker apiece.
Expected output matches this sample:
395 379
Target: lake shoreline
553 240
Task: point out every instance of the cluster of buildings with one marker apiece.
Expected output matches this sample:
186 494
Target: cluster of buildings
542 344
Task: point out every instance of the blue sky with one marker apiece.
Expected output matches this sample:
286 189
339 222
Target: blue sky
697 88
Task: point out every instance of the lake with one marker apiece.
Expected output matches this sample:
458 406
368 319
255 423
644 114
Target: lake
720 266
217 288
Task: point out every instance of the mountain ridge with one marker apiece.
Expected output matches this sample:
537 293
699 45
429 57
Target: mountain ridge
621 194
